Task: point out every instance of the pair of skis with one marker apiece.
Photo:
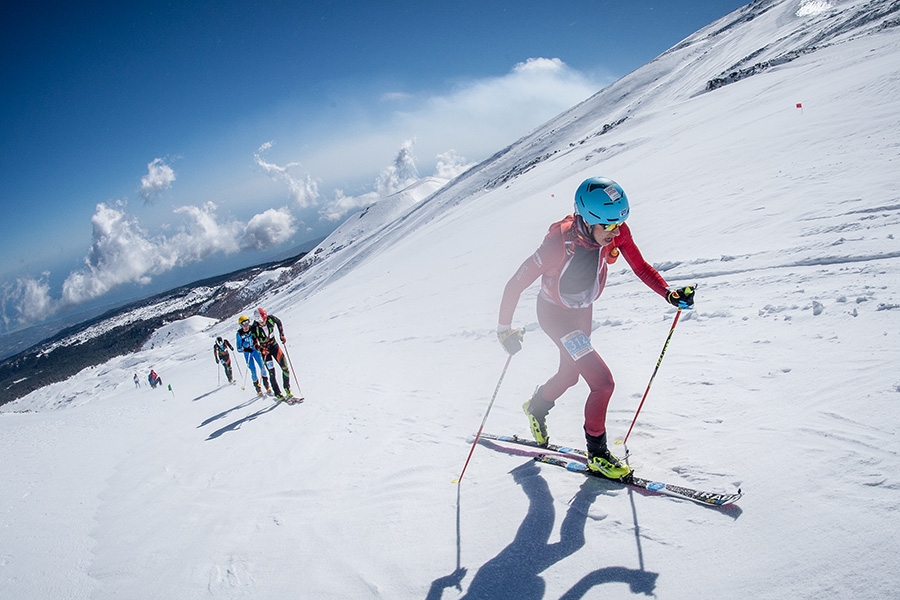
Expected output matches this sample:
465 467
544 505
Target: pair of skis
286 399
573 459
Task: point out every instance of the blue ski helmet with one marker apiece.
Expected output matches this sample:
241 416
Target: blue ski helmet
601 201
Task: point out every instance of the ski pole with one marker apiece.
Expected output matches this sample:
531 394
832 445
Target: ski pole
248 358
661 354
293 372
237 361
484 420
290 363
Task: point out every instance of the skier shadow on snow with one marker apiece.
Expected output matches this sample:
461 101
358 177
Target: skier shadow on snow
515 572
237 424
209 393
225 413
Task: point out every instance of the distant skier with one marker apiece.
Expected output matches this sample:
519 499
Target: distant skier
154 379
246 344
137 382
573 263
263 331
223 357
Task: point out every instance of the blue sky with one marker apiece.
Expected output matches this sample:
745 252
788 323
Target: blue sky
149 144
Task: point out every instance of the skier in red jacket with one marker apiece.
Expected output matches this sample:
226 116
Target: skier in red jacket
573 263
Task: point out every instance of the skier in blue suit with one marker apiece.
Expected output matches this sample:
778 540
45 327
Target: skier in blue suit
244 343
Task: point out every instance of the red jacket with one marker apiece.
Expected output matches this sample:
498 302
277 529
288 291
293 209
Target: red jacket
574 268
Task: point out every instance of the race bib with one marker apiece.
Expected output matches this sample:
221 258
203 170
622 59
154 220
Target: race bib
577 344
270 364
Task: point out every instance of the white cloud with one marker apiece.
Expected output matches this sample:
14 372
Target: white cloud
342 205
123 252
202 236
29 299
451 165
120 253
158 179
268 229
400 174
488 114
303 189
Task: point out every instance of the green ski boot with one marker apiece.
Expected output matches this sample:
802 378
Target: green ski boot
536 409
602 461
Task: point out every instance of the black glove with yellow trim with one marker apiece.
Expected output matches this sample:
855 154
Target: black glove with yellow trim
681 297
510 338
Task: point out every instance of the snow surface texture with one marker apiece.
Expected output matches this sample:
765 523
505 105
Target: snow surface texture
783 380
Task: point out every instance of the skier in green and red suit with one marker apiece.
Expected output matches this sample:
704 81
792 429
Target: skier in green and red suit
263 331
573 263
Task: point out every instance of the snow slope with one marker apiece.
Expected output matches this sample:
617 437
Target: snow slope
782 380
